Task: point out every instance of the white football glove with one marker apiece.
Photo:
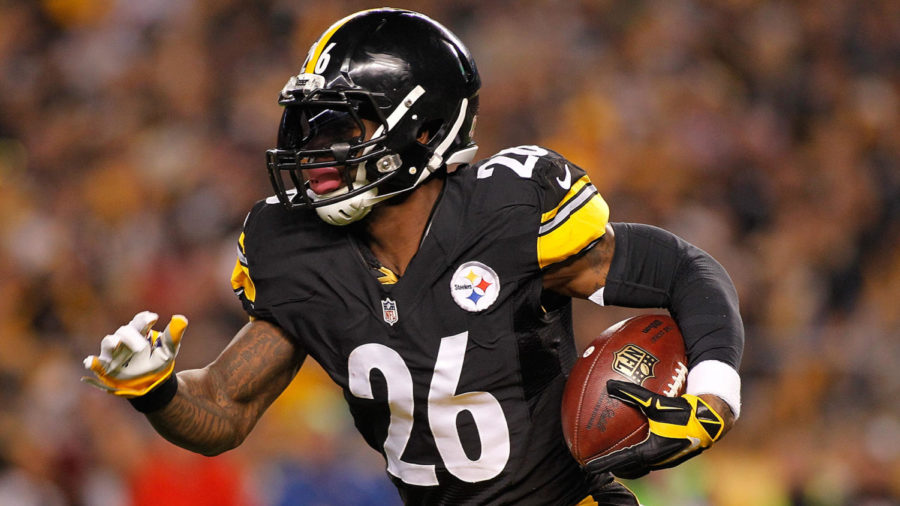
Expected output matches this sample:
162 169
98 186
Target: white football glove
136 358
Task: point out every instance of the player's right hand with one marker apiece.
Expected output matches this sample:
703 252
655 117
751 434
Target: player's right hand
680 428
136 358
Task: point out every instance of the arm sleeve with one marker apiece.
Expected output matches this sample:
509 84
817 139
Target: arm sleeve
655 268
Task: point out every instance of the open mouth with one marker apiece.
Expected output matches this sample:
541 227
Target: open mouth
324 180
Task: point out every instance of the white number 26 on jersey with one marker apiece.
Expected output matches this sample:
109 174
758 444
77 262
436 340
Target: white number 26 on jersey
444 405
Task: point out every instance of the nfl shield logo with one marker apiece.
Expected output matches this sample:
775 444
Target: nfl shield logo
389 310
634 362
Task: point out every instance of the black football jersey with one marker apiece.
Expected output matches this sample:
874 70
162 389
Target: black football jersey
453 372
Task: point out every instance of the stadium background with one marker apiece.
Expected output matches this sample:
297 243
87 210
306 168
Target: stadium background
767 132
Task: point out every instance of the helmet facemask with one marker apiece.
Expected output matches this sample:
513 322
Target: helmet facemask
325 129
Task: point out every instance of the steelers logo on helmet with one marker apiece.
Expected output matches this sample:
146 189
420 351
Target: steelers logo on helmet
474 286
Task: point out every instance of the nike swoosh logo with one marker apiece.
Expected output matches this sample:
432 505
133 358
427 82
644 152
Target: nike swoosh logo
638 400
566 183
662 407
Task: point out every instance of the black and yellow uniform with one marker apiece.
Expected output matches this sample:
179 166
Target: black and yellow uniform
454 371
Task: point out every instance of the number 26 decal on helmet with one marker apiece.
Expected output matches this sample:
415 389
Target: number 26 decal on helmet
385 98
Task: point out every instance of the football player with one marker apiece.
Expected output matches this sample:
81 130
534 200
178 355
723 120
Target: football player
436 292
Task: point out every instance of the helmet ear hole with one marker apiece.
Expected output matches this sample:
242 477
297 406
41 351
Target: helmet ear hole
428 130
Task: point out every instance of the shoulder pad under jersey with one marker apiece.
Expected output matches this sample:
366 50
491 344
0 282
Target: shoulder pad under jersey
573 214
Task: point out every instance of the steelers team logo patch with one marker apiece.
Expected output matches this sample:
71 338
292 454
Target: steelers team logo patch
474 286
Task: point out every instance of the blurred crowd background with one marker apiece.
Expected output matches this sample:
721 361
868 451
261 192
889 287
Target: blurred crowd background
767 132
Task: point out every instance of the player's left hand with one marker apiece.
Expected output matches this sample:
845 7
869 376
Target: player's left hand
136 359
680 428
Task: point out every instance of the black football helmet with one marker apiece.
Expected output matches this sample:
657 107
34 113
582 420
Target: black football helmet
405 75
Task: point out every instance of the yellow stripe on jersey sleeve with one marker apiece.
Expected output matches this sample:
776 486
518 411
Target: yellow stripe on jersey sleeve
573 191
578 220
240 276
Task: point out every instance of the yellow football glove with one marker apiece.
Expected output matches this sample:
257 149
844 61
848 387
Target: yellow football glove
136 358
680 428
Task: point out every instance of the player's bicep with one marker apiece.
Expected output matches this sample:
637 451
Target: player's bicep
255 367
584 275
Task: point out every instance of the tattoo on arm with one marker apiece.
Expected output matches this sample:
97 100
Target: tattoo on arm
599 259
217 406
585 275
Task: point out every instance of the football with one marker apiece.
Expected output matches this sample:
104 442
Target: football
647 350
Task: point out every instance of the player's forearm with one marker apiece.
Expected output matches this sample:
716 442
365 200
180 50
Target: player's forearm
654 268
195 421
217 406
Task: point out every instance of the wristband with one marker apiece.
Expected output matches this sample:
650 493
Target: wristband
719 379
157 398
